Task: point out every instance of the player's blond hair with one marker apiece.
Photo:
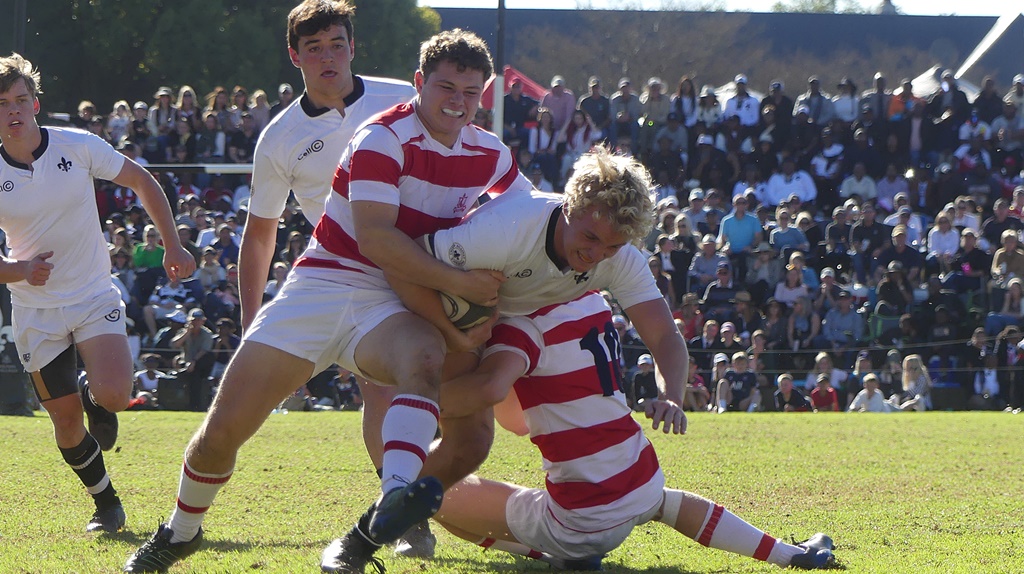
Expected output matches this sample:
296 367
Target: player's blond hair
620 187
14 68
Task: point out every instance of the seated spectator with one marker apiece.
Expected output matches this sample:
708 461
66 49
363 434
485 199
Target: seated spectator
792 286
1008 261
280 272
1012 312
916 386
843 327
824 397
704 267
802 328
728 339
747 317
787 398
718 296
890 379
737 390
826 295
789 181
909 260
702 347
895 292
697 394
211 272
226 245
775 324
869 399
224 344
943 243
764 272
784 238
858 185
169 299
148 379
970 265
761 360
690 316
644 386
986 380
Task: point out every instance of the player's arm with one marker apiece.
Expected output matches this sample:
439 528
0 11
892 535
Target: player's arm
254 257
654 324
483 388
178 262
509 414
426 303
401 258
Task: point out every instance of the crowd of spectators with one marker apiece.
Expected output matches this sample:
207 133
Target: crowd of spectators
805 243
800 238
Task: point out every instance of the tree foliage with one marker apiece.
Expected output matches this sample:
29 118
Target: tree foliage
107 50
820 6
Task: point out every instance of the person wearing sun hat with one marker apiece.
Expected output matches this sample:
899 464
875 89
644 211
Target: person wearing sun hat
911 260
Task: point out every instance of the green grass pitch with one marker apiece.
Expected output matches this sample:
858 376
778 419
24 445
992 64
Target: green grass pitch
900 493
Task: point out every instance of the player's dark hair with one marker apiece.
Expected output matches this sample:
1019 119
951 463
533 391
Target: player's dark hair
464 49
14 68
313 16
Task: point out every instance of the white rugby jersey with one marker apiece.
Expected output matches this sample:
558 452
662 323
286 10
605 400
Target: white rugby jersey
515 234
394 160
300 149
52 207
601 469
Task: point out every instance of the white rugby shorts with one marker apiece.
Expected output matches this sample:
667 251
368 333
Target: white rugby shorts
530 521
320 315
42 334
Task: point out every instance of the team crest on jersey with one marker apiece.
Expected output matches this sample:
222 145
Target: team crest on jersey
7 186
26 357
113 315
460 207
64 165
457 255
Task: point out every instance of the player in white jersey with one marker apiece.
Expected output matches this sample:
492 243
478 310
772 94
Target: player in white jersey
603 476
58 271
299 153
416 168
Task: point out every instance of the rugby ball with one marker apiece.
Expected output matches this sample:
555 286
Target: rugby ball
464 314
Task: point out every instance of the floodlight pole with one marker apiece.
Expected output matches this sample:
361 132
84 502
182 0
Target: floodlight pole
19 26
498 87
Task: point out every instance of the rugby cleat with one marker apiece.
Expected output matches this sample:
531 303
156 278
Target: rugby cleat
109 520
159 553
817 553
418 542
401 508
350 555
102 423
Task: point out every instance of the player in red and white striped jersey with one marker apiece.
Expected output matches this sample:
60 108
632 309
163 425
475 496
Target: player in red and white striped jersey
603 476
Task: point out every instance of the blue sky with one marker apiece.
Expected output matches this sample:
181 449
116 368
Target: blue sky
915 7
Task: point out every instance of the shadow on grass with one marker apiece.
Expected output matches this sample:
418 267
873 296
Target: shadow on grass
209 544
525 565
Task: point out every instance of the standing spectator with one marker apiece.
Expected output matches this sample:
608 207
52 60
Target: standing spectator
260 110
285 96
119 122
819 106
162 116
543 144
580 136
654 109
739 234
242 144
239 105
846 102
596 105
147 259
987 104
188 107
709 109
560 101
218 102
626 112
520 109
744 107
879 99
782 108
195 359
684 102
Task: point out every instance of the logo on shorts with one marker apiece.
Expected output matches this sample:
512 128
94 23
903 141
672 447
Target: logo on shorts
64 165
113 315
7 186
457 255
524 273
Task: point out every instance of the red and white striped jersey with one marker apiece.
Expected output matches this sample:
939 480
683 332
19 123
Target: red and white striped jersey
394 160
601 469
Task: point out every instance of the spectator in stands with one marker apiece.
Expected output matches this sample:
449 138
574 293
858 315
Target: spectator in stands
697 395
704 267
654 109
147 380
787 398
560 101
740 233
792 287
684 102
746 317
819 105
210 272
916 388
943 243
689 317
903 102
227 249
280 273
802 328
147 259
210 141
910 260
987 104
824 366
846 102
895 291
239 105
580 136
166 302
242 143
790 181
225 342
195 359
718 296
162 115
644 386
543 144
862 367
843 327
782 109
1012 311
744 107
869 399
737 389
1010 357
701 347
260 109
119 122
859 184
827 167
626 111
823 396
520 109
993 229
949 107
709 109
285 96
764 273
1008 260
188 107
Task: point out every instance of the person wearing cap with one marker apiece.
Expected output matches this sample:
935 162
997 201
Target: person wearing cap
1008 135
626 111
148 379
519 109
1016 94
911 260
843 326
644 385
654 109
847 101
743 106
970 265
948 96
695 208
823 396
195 360
903 102
818 104
704 267
737 389
597 105
747 318
285 96
709 109
677 135
869 399
878 99
719 294
868 238
988 104
560 100
162 115
689 318
782 106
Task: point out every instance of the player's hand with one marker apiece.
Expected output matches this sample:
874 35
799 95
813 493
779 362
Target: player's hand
667 414
37 270
178 262
480 286
464 341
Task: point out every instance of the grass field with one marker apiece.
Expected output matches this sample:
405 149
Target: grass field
938 492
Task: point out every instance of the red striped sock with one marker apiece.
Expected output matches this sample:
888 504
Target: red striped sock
196 491
408 429
726 531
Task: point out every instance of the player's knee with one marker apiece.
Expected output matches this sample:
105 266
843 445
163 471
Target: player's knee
114 398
